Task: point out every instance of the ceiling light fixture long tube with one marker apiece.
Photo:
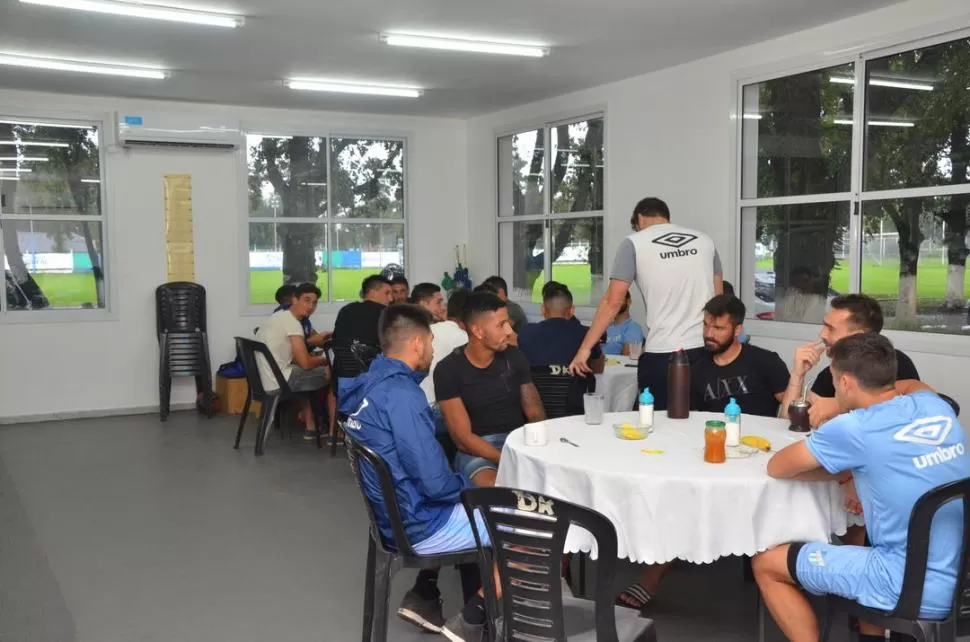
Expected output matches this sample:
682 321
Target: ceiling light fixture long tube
153 12
26 123
461 44
31 143
882 82
59 64
24 159
311 84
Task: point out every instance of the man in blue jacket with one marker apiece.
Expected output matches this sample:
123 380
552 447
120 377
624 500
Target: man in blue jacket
389 413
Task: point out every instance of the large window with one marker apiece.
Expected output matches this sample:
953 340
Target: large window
855 178
51 218
550 218
324 210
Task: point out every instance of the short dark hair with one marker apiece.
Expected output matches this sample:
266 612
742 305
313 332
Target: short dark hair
865 313
869 357
728 288
497 282
649 206
397 279
372 282
479 303
550 285
456 304
307 288
726 304
554 290
486 287
399 323
284 293
423 291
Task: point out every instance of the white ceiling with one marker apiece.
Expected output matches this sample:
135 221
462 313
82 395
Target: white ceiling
592 42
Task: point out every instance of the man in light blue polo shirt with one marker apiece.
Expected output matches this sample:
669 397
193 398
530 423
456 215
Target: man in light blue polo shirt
622 331
896 448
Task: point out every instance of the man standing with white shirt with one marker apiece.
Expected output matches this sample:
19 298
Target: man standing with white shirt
678 270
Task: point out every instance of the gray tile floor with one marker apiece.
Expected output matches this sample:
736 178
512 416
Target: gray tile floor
125 529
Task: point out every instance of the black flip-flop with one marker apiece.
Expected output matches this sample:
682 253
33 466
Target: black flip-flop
637 597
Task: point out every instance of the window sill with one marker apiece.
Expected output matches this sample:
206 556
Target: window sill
953 345
19 317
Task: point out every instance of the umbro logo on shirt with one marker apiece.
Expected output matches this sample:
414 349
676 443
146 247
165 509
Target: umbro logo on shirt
676 240
931 431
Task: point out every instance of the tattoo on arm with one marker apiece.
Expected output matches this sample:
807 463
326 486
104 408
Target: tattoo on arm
531 403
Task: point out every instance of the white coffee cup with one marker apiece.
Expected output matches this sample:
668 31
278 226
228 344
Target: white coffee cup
536 434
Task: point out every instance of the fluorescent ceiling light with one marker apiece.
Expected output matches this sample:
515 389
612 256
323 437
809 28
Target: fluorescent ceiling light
31 143
90 180
352 88
878 123
154 12
9 178
884 82
24 159
463 44
15 170
752 116
59 64
36 124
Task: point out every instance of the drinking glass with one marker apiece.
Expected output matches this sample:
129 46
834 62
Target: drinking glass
635 348
593 405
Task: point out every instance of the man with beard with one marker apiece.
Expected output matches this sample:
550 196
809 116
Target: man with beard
622 331
756 378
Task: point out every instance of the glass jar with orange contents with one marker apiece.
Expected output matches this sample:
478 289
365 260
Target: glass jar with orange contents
715 437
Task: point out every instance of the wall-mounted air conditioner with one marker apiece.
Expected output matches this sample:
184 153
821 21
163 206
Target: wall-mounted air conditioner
177 129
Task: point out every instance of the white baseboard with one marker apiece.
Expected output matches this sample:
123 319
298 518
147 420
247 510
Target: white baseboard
91 414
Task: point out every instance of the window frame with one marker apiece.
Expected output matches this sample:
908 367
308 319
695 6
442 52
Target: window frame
547 217
106 142
326 307
939 33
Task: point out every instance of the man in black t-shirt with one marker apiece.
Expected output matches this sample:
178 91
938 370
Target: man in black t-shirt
485 389
849 314
358 321
756 378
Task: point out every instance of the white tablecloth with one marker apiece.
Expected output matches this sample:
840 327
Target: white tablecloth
674 505
618 384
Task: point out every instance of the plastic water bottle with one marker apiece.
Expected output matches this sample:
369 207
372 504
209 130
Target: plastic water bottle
732 423
646 409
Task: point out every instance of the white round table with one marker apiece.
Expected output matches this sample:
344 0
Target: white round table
674 505
618 383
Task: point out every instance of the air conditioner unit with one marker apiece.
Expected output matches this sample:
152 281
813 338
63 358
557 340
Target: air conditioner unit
195 131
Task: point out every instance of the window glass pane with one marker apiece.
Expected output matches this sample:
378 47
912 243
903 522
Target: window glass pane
577 251
50 170
285 253
578 166
521 171
53 264
797 134
914 262
918 118
368 178
287 176
796 259
362 249
522 257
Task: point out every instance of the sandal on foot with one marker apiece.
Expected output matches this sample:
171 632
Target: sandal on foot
634 597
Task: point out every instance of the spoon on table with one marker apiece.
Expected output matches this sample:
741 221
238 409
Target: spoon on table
566 441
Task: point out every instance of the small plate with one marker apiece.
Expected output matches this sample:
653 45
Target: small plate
739 452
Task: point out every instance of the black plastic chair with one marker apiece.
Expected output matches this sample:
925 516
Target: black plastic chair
385 559
904 619
270 400
950 400
348 359
560 391
180 325
180 307
527 533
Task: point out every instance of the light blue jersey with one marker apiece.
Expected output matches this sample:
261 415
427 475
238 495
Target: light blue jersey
897 452
619 334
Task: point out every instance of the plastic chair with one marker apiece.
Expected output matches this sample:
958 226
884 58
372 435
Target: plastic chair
558 390
183 354
904 619
269 400
527 533
385 559
950 400
180 307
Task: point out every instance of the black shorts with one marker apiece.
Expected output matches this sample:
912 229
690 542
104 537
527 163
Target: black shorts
793 549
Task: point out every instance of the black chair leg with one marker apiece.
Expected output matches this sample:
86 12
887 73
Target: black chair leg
266 416
333 439
369 582
827 623
164 396
382 597
243 418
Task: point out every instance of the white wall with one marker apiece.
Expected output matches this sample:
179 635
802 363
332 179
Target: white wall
111 365
670 134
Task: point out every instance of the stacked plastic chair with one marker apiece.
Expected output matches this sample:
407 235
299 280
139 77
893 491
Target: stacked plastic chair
183 341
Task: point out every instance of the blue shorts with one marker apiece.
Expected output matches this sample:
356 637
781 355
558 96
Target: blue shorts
827 569
470 464
455 535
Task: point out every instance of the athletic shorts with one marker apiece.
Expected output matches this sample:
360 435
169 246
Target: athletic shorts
470 464
455 535
828 569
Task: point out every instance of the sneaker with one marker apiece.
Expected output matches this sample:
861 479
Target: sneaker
309 435
458 629
424 613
